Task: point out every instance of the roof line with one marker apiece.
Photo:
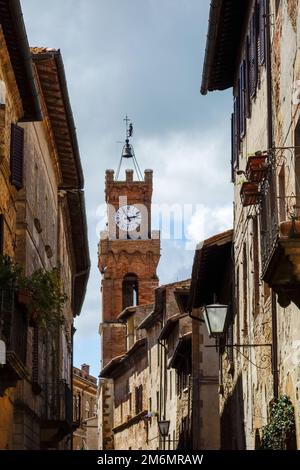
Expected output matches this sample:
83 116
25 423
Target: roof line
215 8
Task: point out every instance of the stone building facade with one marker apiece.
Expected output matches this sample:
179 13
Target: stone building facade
152 381
211 283
18 101
85 435
44 228
263 69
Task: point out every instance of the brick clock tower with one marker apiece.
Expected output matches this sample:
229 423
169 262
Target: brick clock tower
129 252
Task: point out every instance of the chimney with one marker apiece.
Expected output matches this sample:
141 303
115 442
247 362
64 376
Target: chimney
86 368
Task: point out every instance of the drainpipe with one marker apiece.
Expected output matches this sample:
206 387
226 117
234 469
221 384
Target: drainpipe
270 146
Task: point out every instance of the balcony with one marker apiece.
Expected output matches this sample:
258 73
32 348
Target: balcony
13 331
56 417
280 243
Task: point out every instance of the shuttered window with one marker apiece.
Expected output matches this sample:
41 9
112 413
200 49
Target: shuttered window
242 98
253 69
138 399
262 32
1 234
16 156
233 155
247 80
235 135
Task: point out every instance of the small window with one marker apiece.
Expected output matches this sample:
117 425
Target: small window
87 409
138 399
130 290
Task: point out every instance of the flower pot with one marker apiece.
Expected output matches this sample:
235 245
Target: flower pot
257 166
290 228
24 297
250 194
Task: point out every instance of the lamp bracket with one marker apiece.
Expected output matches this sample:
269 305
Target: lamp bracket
265 358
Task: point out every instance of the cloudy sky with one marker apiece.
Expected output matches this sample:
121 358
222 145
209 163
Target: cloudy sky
142 58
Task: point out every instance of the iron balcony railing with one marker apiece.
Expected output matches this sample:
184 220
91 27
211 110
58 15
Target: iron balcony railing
269 218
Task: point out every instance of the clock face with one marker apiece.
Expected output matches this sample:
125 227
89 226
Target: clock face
128 218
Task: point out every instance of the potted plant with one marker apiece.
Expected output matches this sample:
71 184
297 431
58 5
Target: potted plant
257 166
290 228
47 300
250 193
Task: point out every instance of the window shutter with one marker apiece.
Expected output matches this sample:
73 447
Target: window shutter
253 70
247 81
1 234
262 32
236 130
16 156
242 94
233 151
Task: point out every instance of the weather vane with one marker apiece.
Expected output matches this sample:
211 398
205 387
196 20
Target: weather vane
128 151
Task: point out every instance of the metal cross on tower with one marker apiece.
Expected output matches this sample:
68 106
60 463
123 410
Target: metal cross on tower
128 151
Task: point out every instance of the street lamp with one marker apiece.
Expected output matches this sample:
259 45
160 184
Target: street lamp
163 426
216 316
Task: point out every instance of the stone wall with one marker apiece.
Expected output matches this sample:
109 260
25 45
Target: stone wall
249 385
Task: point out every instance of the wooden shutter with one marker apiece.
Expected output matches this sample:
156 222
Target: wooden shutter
16 156
253 69
233 152
237 129
242 99
1 234
262 31
247 81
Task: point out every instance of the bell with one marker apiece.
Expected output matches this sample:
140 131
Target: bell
127 153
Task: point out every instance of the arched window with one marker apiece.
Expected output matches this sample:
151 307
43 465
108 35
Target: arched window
130 290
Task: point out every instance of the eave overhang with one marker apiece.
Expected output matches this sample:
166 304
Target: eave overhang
227 19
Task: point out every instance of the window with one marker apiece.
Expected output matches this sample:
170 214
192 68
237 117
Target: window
242 98
77 406
87 409
149 360
130 290
138 399
282 198
262 32
16 156
253 69
130 403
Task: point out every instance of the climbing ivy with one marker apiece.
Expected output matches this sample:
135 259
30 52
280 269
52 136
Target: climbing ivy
280 431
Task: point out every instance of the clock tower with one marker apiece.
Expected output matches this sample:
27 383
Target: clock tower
129 253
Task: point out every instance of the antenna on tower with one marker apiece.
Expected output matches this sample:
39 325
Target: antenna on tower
128 151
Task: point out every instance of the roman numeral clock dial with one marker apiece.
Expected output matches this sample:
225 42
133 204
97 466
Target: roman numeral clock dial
128 218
